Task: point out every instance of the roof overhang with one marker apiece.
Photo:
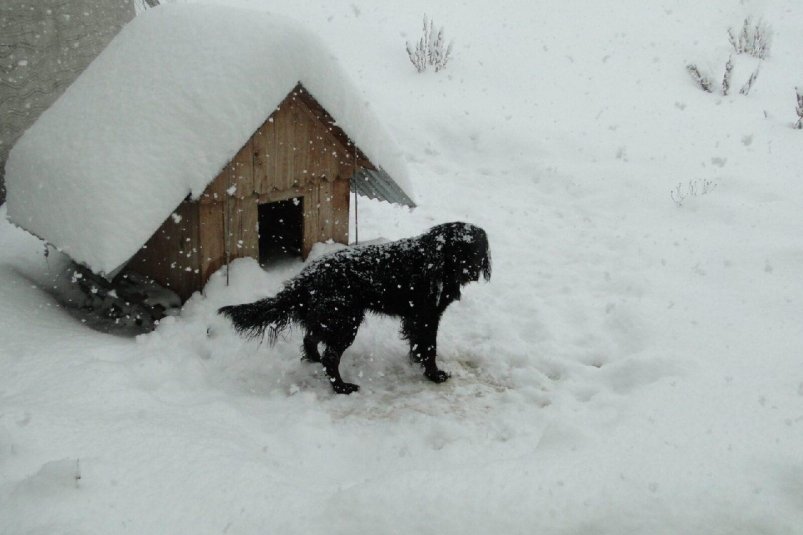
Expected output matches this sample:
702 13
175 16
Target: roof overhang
377 184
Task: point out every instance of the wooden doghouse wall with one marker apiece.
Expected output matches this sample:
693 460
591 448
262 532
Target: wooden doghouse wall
297 152
170 256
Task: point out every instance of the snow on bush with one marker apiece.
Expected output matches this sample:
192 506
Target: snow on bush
799 109
703 81
726 79
748 85
694 188
430 49
754 39
706 82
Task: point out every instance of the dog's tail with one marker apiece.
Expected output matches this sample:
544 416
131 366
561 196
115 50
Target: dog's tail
271 315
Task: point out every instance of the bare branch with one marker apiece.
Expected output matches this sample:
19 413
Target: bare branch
703 81
749 83
431 49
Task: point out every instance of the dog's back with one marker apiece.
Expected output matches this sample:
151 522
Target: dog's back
375 276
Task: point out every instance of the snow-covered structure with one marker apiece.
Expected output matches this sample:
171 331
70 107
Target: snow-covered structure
45 45
170 154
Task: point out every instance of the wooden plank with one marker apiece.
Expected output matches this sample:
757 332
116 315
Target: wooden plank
279 195
302 129
268 147
216 190
273 149
277 150
265 147
317 149
185 273
345 168
340 210
326 214
333 154
259 157
310 233
244 227
285 135
237 174
170 257
242 179
212 240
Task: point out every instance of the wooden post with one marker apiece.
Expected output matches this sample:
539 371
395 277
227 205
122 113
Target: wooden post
356 207
227 223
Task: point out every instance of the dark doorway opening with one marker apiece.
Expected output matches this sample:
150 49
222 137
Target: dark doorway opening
281 227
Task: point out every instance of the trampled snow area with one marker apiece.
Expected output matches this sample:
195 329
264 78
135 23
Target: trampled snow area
634 366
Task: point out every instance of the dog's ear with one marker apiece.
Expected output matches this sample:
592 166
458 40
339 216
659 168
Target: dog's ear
486 263
473 242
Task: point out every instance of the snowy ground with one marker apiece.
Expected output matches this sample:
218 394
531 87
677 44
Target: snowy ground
634 366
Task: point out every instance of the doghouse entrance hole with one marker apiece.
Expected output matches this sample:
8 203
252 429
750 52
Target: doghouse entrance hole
280 229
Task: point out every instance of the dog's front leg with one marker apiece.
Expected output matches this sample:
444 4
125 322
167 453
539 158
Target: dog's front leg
422 333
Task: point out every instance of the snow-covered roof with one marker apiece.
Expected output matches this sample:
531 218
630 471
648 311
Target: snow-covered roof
158 114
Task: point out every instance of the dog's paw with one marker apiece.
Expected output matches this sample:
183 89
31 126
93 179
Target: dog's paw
345 388
438 376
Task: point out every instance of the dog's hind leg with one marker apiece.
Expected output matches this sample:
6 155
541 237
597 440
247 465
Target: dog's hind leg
337 334
331 364
422 333
310 348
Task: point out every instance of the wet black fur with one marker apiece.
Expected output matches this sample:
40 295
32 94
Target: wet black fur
415 279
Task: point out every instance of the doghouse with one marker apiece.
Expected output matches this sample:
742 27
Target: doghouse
222 148
287 188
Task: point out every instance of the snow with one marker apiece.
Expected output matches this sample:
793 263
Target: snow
157 116
634 366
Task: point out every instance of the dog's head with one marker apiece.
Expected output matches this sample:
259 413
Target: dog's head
465 250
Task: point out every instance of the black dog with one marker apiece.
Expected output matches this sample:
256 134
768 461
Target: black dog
414 279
